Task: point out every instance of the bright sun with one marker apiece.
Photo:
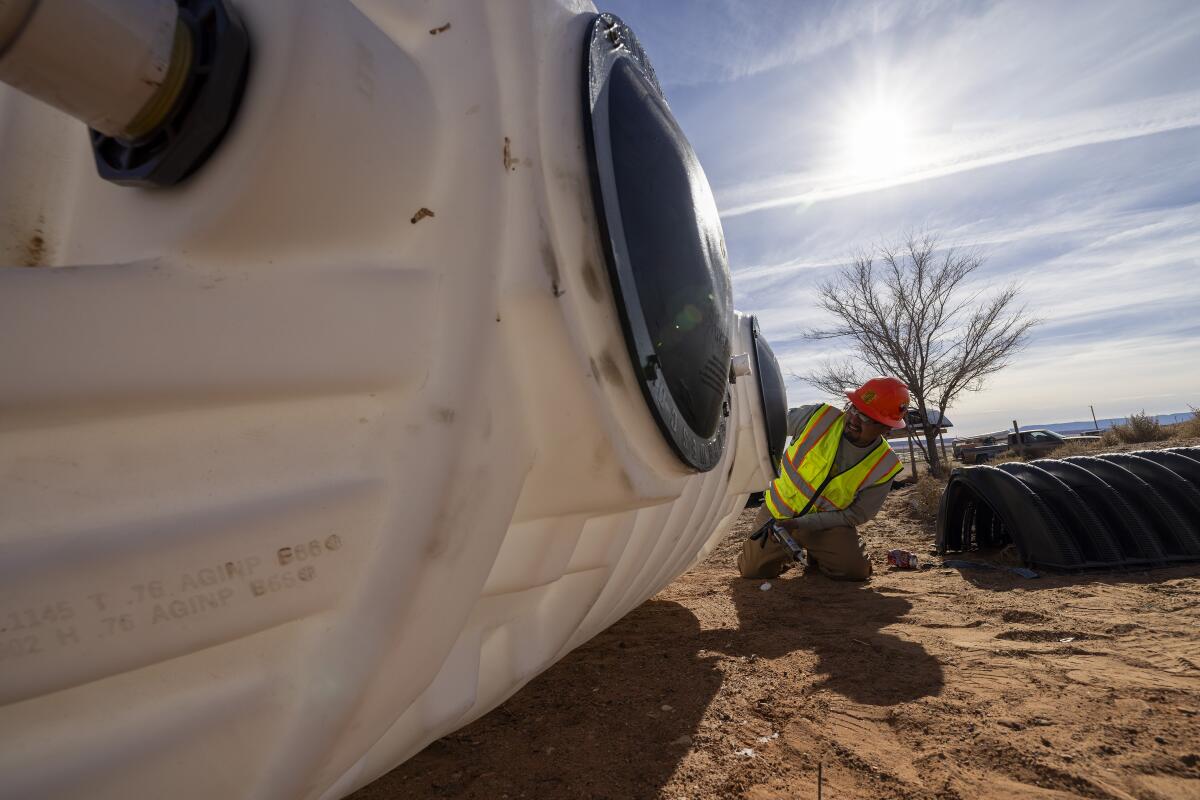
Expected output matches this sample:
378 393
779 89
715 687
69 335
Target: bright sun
876 140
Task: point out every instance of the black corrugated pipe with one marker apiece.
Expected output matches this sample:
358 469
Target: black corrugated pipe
1103 511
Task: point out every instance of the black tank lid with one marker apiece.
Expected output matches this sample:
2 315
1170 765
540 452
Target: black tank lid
663 243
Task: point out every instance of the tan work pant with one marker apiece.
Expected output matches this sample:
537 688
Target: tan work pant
839 553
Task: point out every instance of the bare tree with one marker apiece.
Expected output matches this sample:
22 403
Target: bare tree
906 312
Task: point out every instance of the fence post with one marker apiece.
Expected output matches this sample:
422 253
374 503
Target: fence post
912 453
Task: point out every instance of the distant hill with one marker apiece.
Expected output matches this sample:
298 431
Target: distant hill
1086 425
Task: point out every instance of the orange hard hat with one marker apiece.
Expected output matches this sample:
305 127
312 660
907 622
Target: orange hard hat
884 400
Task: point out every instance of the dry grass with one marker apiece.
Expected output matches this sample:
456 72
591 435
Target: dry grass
1079 447
1139 428
926 496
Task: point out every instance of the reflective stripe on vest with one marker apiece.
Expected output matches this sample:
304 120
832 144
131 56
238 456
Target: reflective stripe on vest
885 469
820 422
776 505
808 460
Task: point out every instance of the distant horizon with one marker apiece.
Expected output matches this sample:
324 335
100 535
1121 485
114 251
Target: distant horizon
1085 424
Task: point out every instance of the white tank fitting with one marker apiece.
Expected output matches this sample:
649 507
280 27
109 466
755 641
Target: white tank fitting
739 366
117 65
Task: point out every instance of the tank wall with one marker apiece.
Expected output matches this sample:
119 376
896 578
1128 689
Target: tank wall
292 482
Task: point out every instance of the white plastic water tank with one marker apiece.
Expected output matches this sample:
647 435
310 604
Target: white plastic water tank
329 450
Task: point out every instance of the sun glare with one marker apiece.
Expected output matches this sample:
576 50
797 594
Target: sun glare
876 140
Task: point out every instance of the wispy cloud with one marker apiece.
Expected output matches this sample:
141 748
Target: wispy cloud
974 149
745 39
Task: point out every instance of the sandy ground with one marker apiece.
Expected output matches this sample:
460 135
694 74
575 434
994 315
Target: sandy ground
932 684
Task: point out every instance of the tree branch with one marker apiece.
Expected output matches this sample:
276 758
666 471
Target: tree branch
904 311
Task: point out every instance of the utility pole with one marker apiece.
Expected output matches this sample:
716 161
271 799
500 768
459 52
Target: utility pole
1095 425
1020 444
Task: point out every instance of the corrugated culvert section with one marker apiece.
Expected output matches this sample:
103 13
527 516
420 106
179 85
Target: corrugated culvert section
1083 512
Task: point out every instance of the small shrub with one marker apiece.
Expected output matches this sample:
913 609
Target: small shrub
1109 438
1139 428
927 496
1188 428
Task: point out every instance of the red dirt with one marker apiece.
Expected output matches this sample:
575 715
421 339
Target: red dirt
929 684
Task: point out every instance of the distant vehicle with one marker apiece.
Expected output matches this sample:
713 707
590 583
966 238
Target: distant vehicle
1033 442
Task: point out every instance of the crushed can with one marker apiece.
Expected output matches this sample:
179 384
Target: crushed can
902 559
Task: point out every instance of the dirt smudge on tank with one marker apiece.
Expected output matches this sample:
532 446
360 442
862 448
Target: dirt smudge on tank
35 249
591 281
550 264
610 370
510 163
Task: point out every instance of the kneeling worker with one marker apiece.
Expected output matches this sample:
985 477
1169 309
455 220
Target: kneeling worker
844 456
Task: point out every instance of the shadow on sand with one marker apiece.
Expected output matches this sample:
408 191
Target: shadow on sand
840 623
594 725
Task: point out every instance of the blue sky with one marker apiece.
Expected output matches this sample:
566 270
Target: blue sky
1059 139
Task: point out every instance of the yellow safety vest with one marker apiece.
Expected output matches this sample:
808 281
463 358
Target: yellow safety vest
808 460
